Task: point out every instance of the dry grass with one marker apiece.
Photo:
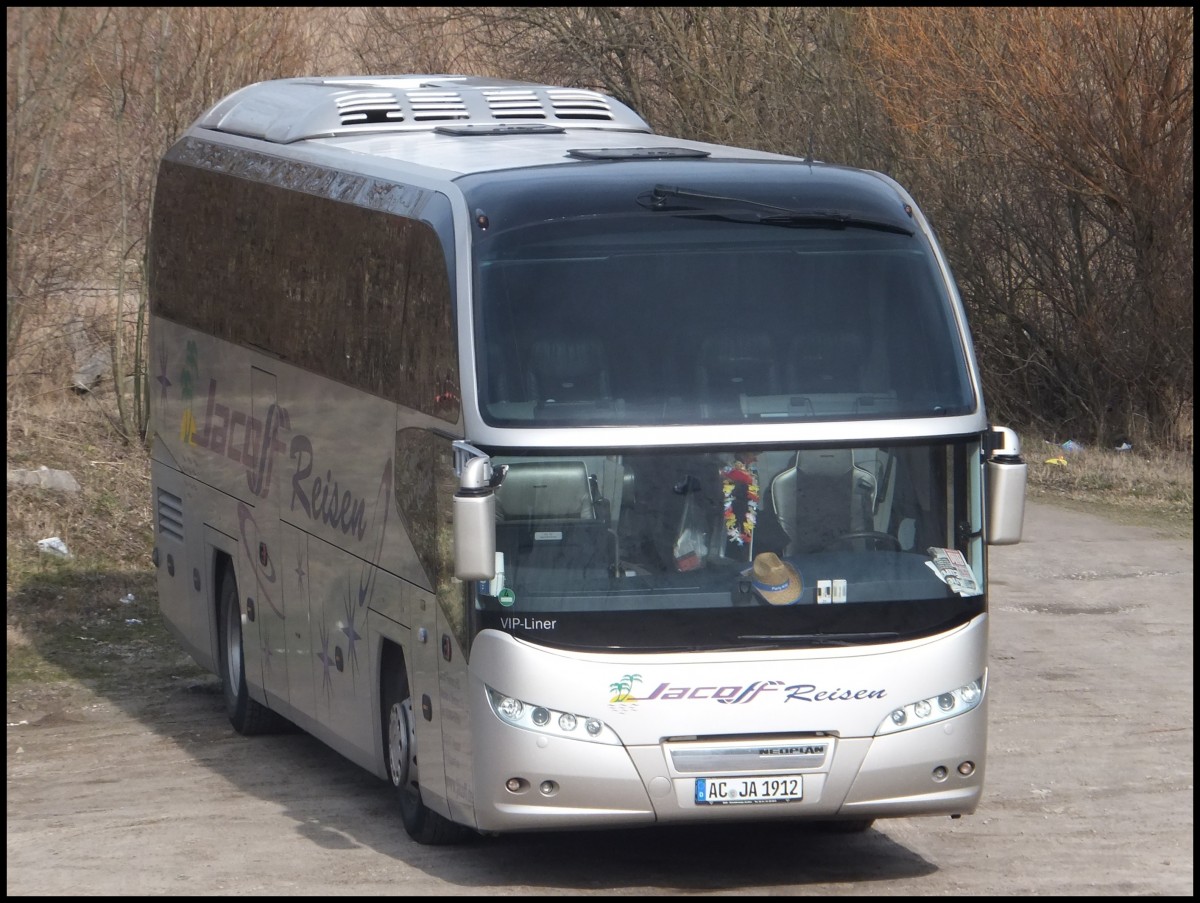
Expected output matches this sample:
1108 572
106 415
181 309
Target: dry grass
1145 487
66 618
107 524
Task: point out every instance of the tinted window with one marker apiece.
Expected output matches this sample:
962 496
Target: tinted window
660 318
320 276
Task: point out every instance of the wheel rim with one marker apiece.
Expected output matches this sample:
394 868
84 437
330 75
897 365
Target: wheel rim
401 760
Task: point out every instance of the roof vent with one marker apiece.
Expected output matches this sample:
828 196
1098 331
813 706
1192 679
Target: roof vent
430 105
368 107
287 110
514 103
570 104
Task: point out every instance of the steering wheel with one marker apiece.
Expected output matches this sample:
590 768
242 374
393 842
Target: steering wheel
871 536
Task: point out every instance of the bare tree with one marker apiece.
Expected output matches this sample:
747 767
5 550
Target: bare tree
399 40
162 68
776 78
1057 143
51 189
95 98
1051 146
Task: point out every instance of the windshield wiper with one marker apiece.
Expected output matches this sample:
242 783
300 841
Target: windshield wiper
830 220
759 212
659 197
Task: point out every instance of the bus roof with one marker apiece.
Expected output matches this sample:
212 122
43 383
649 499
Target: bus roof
424 119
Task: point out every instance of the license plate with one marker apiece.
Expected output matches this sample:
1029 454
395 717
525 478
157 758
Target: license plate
772 788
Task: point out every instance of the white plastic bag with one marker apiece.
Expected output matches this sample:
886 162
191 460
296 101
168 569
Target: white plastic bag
691 545
53 546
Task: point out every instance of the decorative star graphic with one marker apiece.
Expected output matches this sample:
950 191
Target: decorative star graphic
300 572
352 635
326 662
162 371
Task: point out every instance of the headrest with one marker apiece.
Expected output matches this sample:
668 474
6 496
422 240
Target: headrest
824 462
556 490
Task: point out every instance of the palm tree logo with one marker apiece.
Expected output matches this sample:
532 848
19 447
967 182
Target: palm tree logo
187 384
623 688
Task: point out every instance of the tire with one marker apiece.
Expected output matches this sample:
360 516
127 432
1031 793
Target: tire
247 716
399 740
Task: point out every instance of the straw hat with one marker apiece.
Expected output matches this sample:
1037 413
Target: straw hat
775 580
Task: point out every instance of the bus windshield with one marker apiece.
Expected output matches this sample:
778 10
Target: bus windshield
661 317
737 548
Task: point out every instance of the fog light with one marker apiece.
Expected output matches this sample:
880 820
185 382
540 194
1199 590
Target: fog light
898 716
593 726
566 721
939 773
966 769
946 702
540 716
970 693
515 785
923 708
548 788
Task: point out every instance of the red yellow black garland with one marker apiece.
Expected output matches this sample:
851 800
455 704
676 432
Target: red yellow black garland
738 474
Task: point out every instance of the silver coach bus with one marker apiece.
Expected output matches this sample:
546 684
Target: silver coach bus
566 475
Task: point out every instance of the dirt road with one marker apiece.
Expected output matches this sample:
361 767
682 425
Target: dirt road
1089 777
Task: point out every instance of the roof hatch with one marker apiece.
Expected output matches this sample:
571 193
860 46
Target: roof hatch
637 153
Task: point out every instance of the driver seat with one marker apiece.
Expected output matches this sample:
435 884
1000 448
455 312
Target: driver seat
821 497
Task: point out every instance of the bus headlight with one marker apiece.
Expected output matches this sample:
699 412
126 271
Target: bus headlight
949 704
545 720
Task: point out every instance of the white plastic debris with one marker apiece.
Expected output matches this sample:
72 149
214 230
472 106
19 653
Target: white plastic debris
53 546
127 599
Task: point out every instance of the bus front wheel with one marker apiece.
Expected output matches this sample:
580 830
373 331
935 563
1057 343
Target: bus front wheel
422 823
247 716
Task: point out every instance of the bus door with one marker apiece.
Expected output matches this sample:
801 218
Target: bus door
264 476
430 646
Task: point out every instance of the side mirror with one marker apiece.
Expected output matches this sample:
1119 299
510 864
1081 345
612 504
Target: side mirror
1005 476
475 519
